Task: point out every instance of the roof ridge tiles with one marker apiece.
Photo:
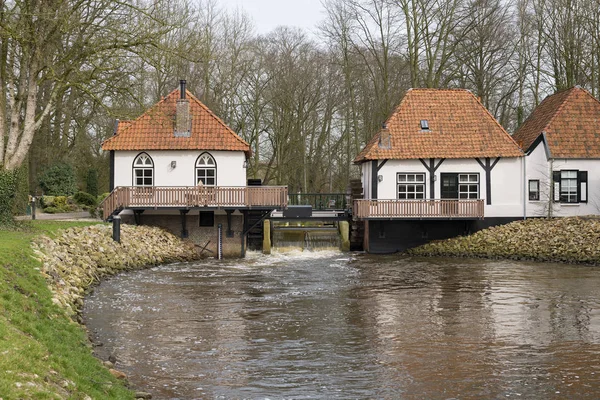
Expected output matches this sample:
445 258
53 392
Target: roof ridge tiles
460 127
568 93
153 129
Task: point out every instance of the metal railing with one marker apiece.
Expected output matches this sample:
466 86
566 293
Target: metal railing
319 201
193 196
436 208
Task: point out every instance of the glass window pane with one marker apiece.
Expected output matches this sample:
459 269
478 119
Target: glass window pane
473 178
210 181
533 185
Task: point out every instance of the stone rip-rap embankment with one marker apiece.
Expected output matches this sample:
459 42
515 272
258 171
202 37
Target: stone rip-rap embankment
568 240
78 258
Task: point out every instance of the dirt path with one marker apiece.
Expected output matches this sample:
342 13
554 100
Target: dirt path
72 216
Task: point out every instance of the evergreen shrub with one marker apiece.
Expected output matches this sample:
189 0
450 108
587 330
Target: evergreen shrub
86 199
59 180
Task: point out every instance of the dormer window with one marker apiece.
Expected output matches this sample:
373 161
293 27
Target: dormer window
424 125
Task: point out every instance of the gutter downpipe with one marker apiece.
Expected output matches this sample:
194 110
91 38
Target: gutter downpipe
550 176
525 186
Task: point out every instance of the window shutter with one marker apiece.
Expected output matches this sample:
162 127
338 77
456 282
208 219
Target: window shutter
556 179
582 178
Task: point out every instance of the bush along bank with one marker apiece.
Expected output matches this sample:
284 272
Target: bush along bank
568 240
79 257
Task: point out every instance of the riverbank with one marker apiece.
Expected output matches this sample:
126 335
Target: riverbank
44 354
78 258
568 240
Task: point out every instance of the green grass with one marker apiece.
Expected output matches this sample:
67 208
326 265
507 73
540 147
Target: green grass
43 353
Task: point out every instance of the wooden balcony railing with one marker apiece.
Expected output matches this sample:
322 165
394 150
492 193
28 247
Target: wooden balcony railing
194 196
443 209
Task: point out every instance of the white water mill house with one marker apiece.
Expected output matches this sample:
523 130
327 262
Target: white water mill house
561 138
178 166
441 166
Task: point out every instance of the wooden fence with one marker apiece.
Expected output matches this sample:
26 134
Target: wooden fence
195 196
418 208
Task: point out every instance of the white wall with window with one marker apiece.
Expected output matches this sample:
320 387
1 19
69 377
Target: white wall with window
411 186
567 187
143 170
206 170
402 178
180 168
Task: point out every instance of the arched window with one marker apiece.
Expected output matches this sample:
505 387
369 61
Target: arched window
206 170
143 170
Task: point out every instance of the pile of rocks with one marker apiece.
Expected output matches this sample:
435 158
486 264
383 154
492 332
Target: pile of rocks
569 240
79 257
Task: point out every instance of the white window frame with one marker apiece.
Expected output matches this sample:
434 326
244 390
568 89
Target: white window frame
144 164
465 183
535 192
203 168
569 186
413 185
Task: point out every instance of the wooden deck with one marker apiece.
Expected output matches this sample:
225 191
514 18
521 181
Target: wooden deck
195 196
412 209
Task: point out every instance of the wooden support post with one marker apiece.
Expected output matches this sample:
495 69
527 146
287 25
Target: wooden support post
266 236
229 233
243 233
137 216
184 231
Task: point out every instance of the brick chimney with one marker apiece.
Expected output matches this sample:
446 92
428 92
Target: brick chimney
385 139
183 118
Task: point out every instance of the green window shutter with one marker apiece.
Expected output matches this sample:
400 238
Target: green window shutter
582 180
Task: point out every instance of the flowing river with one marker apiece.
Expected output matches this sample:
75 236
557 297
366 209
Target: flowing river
330 325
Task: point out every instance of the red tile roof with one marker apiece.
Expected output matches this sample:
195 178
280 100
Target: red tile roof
155 130
459 127
571 121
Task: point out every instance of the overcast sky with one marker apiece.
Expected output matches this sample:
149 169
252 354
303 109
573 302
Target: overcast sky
268 14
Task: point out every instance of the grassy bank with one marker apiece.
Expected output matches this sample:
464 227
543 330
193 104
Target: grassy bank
43 353
568 240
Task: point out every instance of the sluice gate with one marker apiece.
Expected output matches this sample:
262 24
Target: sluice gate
310 237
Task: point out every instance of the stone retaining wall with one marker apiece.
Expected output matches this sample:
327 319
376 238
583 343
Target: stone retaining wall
568 240
79 257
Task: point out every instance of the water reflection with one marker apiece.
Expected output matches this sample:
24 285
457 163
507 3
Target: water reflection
325 325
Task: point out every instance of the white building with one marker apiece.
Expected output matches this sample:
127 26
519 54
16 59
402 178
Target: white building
561 138
440 166
180 167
